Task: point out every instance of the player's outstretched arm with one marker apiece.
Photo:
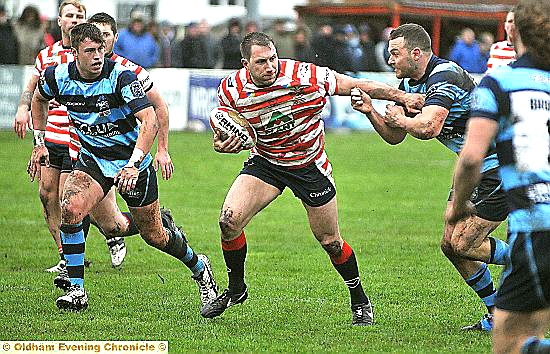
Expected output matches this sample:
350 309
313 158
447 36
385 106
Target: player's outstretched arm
412 101
426 125
39 152
22 119
361 102
162 157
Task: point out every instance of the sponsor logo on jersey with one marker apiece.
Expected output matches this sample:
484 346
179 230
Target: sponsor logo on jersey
279 122
107 129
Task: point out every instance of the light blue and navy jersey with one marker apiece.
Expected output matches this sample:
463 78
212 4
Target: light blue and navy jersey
102 111
518 98
447 85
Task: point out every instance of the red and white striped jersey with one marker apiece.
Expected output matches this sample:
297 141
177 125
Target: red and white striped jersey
501 54
285 115
57 126
143 77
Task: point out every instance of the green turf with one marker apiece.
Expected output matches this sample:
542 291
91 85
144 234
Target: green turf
391 203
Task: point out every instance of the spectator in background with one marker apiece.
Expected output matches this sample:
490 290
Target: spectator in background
466 52
30 35
230 45
302 47
503 53
486 40
193 49
137 45
367 61
342 58
166 36
323 45
381 50
212 48
9 51
251 26
283 39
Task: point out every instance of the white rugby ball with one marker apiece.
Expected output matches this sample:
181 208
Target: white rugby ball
231 122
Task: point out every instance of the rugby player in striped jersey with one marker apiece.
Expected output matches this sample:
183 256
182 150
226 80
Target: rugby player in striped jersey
503 53
283 99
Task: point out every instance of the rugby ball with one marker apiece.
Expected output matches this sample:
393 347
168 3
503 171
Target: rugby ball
230 122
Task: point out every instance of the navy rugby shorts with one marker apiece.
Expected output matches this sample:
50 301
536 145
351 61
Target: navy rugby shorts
525 281
145 192
489 197
59 157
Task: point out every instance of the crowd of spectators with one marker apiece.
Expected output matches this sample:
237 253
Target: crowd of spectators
342 47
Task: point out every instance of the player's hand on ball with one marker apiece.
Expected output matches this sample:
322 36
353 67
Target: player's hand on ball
126 179
360 100
227 144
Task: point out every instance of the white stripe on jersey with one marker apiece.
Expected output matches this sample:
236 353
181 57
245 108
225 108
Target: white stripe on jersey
53 55
501 54
285 115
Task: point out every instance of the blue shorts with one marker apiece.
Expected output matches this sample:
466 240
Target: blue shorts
525 281
145 192
307 183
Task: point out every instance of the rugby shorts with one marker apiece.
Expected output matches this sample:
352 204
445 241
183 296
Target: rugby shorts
145 192
525 281
59 157
308 183
489 197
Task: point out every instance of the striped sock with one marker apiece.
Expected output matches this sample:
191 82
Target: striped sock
482 283
534 345
346 266
74 245
179 249
499 251
234 254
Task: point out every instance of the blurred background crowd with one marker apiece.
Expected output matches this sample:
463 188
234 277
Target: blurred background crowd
344 47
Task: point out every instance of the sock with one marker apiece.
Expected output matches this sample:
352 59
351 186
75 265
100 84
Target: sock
234 254
61 255
74 244
132 227
346 265
535 345
179 249
499 251
482 283
86 225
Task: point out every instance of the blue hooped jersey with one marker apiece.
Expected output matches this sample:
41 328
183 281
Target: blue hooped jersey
102 111
518 98
447 85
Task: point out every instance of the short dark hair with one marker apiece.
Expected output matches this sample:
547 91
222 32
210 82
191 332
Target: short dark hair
414 36
104 19
532 18
254 38
85 30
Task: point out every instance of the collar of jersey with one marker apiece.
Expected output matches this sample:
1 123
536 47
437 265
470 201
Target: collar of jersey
75 75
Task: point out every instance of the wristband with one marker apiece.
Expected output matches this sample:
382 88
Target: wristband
136 158
39 137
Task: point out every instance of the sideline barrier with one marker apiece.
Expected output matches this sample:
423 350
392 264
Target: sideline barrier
190 95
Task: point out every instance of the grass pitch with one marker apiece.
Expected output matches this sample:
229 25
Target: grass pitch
391 203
